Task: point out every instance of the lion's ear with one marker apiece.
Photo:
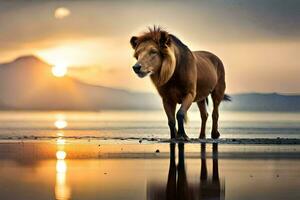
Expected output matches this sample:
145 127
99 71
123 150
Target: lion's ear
164 39
133 41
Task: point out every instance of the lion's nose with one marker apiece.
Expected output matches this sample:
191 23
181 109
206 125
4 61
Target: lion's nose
136 68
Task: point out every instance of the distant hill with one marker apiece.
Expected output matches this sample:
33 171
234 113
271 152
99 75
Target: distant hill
263 102
28 84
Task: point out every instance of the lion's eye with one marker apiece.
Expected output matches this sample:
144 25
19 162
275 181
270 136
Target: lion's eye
153 52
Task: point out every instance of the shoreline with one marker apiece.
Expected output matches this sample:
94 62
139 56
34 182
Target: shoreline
96 149
232 141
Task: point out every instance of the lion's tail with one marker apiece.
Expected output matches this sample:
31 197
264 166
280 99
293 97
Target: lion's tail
226 97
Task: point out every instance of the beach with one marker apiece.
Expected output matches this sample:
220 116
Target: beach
128 155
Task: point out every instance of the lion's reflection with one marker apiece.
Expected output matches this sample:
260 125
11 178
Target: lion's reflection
210 189
178 186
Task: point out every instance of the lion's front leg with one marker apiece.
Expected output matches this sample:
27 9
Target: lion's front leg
181 114
170 108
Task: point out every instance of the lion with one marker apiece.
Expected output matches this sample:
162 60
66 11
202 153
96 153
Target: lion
181 76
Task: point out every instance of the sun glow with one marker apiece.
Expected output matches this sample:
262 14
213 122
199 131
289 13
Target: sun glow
62 190
60 141
61 155
84 51
59 70
60 123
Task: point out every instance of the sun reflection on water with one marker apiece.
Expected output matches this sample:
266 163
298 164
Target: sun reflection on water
62 190
60 122
61 167
61 155
60 141
60 133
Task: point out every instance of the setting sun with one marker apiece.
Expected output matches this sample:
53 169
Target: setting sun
59 70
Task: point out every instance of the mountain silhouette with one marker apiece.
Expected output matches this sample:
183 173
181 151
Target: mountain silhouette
27 83
263 102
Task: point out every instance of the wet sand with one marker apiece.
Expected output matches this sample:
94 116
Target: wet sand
133 169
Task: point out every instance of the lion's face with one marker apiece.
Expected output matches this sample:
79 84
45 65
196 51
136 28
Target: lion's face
155 55
149 59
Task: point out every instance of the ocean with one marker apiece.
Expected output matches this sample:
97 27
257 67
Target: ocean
15 125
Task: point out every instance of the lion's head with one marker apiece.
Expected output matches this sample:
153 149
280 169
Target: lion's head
155 55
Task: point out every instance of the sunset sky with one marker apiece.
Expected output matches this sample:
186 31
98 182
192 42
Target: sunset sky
258 40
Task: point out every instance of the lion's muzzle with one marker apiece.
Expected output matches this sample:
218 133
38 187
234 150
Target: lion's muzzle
137 68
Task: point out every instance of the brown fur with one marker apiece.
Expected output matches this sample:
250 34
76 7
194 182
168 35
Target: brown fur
181 76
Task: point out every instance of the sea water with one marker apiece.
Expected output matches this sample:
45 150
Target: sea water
142 124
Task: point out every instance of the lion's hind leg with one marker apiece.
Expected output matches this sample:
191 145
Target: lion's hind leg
204 116
217 96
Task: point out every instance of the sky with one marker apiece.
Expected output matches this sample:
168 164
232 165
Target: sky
258 40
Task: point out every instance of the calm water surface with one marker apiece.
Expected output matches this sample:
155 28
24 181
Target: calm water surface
67 168
63 171
144 124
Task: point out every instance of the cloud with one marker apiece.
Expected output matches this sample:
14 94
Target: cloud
197 21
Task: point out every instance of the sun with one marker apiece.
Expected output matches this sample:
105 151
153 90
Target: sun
59 70
60 124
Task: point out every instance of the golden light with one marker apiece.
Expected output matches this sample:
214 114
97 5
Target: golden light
61 166
60 133
61 13
62 190
59 70
61 155
60 124
61 141
76 52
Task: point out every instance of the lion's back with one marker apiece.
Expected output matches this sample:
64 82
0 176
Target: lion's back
215 60
210 71
209 60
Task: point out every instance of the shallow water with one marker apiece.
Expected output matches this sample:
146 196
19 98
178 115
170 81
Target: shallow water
53 170
125 155
143 124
